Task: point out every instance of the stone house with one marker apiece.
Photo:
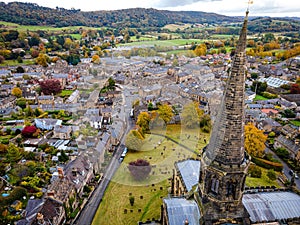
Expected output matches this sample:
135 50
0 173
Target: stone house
290 131
62 132
288 144
45 100
269 125
45 211
182 76
79 172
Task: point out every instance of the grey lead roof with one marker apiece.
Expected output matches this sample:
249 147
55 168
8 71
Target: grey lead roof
189 170
271 206
180 209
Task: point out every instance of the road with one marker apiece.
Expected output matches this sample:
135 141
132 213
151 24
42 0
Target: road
88 212
286 168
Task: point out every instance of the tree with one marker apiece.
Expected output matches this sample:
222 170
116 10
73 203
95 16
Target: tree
63 157
139 169
28 131
254 140
165 112
50 86
271 174
14 153
21 102
259 87
96 59
42 60
16 92
111 83
191 115
200 50
205 123
254 171
134 140
143 121
295 89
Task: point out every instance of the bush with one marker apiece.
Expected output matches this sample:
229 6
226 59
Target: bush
267 164
254 171
268 95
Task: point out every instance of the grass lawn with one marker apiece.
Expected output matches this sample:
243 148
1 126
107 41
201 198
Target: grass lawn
263 181
259 97
116 201
295 122
162 154
65 93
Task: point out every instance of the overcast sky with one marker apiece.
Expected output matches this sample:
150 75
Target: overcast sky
225 7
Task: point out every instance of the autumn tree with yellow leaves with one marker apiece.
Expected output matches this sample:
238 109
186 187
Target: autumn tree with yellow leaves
254 140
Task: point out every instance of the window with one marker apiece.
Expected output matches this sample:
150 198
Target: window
214 185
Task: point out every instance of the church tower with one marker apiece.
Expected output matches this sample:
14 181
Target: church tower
225 163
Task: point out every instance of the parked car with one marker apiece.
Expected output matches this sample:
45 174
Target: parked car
292 173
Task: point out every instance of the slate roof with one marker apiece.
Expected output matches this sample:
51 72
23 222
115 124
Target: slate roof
180 209
189 171
271 206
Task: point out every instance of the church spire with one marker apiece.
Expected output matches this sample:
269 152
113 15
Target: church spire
227 141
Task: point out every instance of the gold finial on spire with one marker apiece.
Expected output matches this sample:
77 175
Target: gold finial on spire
250 2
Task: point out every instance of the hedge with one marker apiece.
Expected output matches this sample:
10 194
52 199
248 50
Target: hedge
267 164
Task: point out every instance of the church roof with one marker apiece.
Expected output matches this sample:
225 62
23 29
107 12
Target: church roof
271 206
189 171
180 209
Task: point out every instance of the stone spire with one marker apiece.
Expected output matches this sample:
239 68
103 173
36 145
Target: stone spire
227 141
224 164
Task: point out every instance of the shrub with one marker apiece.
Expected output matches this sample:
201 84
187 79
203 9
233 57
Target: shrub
254 171
267 164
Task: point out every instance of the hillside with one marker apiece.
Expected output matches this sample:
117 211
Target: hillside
268 24
32 14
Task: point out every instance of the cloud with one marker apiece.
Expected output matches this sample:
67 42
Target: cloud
175 3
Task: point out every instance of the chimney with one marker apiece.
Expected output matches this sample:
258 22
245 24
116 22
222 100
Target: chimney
60 172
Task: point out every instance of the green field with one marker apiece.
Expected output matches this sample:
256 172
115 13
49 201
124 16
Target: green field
18 27
162 154
164 43
16 63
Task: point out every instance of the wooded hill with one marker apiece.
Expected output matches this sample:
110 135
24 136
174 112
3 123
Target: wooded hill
33 14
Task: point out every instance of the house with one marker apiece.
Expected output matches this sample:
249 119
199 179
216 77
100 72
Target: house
46 211
116 130
62 132
61 188
8 102
185 176
106 112
250 95
45 100
269 125
150 90
79 172
288 144
182 76
290 131
74 97
272 113
47 123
